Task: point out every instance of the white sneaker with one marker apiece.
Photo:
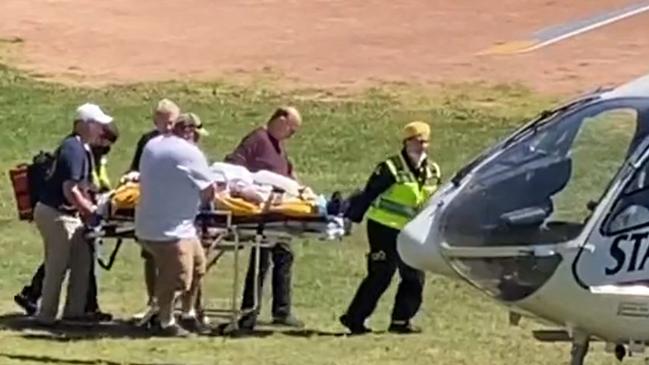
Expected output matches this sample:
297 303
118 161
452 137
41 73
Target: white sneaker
142 318
140 315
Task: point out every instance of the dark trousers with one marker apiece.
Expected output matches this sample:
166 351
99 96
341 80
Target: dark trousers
282 258
382 262
34 290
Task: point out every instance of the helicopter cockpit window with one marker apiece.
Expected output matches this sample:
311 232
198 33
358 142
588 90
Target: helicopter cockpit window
631 210
538 189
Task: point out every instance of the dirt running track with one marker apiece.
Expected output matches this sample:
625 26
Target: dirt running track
322 43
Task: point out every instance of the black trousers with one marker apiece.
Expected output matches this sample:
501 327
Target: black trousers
34 290
282 258
382 262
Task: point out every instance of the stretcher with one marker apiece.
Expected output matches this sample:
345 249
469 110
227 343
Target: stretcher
224 231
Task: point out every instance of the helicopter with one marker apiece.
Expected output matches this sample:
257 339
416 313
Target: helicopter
553 222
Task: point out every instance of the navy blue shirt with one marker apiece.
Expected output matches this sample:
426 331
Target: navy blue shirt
135 164
72 163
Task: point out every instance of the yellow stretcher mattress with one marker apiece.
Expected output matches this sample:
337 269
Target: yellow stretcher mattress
125 197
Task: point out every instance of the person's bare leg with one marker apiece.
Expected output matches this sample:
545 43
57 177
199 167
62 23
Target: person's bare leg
150 276
190 298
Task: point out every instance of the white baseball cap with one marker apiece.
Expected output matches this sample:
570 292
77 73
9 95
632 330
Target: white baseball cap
92 113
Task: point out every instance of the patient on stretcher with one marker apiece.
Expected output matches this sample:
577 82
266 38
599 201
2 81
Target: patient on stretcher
242 193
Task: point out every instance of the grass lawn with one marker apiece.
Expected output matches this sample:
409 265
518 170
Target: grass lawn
342 140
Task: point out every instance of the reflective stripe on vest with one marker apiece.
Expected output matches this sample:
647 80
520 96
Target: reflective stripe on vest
100 179
394 207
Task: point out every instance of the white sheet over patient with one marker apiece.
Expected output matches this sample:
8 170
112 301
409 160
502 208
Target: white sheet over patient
263 180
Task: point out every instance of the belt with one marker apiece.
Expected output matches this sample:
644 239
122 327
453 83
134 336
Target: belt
67 211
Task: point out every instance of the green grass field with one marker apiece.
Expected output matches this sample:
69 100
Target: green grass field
342 139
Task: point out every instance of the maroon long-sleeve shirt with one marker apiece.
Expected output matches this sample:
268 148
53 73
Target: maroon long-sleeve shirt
261 151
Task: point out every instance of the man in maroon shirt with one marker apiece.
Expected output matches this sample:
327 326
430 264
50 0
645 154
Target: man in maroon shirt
262 149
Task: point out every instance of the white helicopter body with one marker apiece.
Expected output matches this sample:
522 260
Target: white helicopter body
553 222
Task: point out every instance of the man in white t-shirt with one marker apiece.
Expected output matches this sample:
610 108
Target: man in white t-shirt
174 180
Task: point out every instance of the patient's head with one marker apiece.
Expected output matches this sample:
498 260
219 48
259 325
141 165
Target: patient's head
284 122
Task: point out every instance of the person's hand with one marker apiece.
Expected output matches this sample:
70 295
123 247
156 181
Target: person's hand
93 220
307 193
132 176
347 226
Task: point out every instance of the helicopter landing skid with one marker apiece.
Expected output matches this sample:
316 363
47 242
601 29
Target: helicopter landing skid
579 350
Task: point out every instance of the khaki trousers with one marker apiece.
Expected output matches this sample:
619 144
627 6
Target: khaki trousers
181 267
65 248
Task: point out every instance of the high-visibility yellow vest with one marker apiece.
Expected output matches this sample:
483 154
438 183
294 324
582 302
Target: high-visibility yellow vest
403 200
100 178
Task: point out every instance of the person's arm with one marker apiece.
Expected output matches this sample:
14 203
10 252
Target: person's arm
72 160
74 195
244 152
135 163
379 182
199 174
291 170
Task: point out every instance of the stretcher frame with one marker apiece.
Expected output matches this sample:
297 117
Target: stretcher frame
216 241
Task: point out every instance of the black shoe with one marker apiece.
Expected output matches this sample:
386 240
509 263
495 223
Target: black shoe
192 324
90 317
99 316
403 328
289 321
26 303
247 322
355 328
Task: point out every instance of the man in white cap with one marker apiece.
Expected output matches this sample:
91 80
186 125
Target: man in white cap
59 216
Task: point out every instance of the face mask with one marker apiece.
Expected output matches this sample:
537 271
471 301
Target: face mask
99 151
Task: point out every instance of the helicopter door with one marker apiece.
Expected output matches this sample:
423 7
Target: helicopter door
616 254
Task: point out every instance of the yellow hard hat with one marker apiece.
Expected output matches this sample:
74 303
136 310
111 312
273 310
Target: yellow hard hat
416 129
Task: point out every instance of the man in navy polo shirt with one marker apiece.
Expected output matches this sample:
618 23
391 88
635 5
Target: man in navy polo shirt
60 215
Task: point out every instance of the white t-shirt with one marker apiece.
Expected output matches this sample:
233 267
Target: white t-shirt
172 174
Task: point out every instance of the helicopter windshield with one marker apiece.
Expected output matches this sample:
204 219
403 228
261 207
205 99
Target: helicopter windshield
539 188
544 117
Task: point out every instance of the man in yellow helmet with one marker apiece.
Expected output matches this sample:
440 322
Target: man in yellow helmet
392 196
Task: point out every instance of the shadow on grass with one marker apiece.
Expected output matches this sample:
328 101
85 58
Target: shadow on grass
56 360
65 332
69 332
266 331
